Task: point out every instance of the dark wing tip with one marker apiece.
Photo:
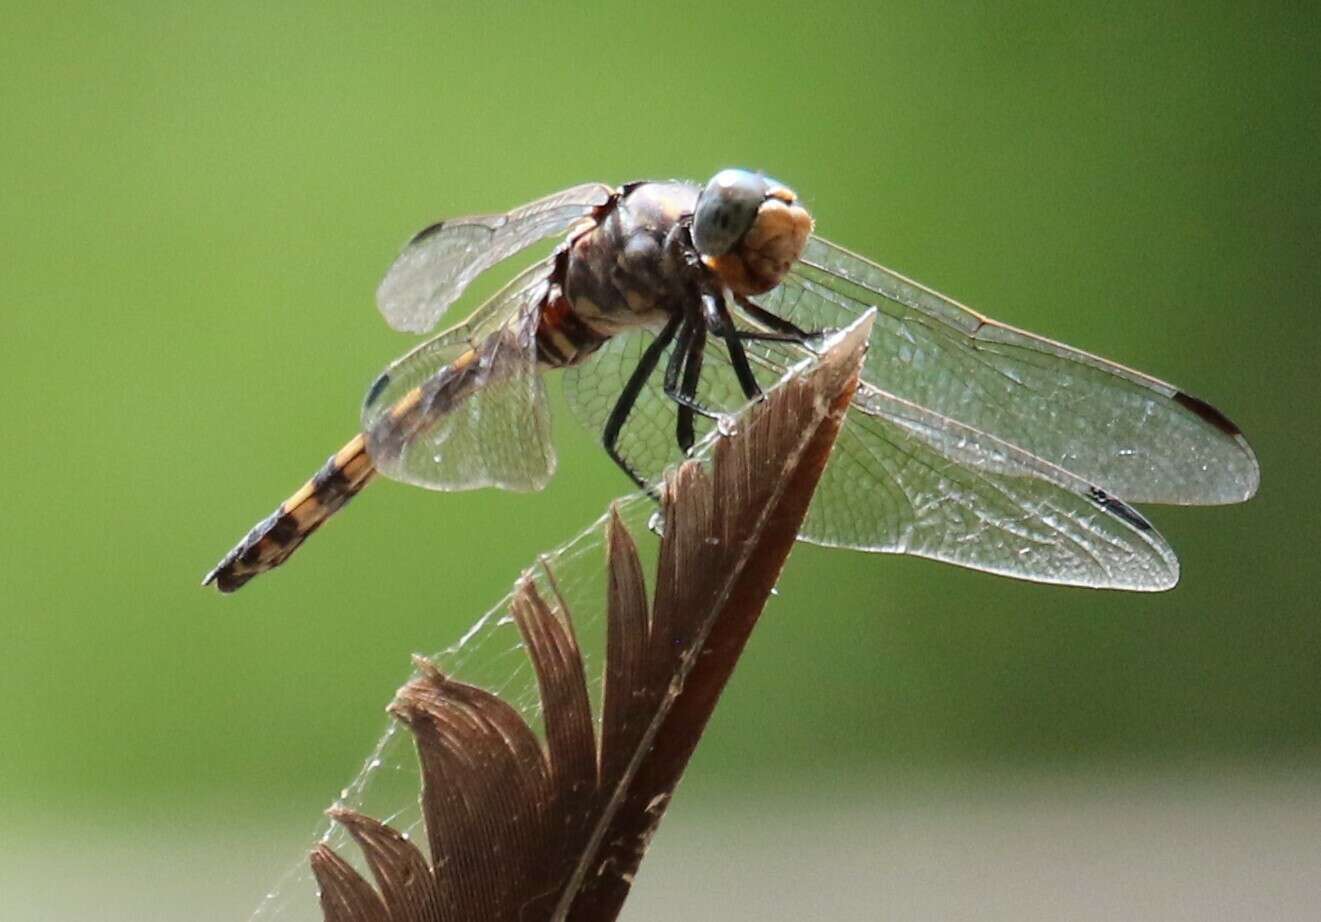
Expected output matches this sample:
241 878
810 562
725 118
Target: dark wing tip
426 232
374 392
1118 508
1204 411
1251 473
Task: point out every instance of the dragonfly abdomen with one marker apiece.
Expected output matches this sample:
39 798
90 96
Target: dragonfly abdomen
564 337
277 536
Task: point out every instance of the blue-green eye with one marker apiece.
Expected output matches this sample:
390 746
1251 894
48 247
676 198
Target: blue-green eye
726 209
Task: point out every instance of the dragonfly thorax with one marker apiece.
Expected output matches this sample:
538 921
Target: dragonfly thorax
637 264
622 272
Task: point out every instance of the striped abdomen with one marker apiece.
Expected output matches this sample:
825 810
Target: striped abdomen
562 338
273 539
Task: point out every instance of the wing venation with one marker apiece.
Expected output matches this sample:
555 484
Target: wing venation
1131 434
440 261
467 409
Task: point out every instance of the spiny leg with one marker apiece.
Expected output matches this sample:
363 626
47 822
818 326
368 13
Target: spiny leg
629 396
784 330
718 319
687 394
683 346
751 336
674 367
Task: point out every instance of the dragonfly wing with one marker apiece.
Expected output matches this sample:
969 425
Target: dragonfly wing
1128 433
906 480
439 262
467 409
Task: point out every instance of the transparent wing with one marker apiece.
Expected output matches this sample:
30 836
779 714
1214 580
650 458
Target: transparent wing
467 409
906 480
439 262
1128 433
648 442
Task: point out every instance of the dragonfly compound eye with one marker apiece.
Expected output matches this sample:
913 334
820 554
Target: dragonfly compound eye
726 209
749 230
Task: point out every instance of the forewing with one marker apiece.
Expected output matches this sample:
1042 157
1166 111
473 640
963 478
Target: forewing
467 409
906 480
439 262
1128 433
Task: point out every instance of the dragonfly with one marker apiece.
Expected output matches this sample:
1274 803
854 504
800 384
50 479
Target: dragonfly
667 305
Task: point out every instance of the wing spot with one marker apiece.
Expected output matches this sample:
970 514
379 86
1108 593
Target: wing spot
1207 413
426 232
1118 508
379 385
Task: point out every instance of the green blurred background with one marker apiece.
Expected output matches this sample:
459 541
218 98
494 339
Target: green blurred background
198 204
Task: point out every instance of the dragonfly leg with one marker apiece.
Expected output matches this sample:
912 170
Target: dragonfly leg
629 396
674 367
751 336
783 329
684 346
687 394
721 324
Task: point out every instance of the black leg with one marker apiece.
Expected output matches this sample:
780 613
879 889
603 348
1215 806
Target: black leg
629 396
718 319
748 336
683 346
772 321
687 399
674 367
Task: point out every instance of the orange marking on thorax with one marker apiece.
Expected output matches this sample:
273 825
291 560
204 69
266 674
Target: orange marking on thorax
554 312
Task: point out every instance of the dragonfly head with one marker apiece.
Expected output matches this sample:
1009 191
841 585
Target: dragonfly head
749 229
